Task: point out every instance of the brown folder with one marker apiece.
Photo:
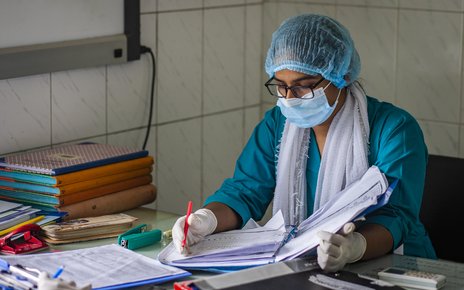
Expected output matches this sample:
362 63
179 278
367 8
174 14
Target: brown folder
68 199
116 202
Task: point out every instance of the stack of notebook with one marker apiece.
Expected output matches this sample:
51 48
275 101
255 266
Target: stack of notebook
14 215
85 179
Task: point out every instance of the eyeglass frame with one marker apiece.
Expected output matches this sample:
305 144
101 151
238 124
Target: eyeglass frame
291 88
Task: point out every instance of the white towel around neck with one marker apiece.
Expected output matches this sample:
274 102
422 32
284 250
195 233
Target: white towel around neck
344 159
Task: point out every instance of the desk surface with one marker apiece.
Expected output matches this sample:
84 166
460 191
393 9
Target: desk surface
156 219
164 221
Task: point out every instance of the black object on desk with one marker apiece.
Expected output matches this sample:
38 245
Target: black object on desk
442 202
300 273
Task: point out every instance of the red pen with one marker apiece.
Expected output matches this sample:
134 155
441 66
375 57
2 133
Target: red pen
186 224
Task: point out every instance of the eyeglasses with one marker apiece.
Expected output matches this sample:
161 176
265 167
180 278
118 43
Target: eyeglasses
281 90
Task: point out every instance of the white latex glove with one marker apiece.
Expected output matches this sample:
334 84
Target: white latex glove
201 223
336 250
47 283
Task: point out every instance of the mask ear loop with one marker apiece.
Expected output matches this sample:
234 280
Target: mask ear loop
339 92
327 86
336 101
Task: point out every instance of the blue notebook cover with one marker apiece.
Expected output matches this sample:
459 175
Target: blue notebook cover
23 176
30 196
70 158
11 185
46 207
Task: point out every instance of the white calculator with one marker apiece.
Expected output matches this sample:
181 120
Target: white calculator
412 279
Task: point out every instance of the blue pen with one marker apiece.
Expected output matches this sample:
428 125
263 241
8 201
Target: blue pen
58 272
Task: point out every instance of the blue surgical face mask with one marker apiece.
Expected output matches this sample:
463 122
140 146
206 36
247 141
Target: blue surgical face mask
307 111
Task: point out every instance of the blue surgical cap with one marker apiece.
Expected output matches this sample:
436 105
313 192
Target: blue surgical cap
314 44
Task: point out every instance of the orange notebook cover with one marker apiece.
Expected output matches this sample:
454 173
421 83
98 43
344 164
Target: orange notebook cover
73 187
68 199
84 185
77 176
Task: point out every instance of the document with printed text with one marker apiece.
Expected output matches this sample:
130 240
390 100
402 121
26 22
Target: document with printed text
105 267
254 245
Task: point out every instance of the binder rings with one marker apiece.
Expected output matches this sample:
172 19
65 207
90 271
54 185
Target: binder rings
70 158
77 176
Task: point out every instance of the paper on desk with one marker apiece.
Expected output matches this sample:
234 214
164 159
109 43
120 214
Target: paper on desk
104 266
351 202
256 245
253 241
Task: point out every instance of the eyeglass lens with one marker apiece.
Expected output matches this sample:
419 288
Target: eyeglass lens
280 90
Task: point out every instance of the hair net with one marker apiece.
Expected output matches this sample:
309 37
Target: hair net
314 44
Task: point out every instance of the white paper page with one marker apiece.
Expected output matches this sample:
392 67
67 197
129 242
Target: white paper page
276 222
330 218
245 261
242 243
249 257
373 179
307 240
356 200
271 234
236 242
101 266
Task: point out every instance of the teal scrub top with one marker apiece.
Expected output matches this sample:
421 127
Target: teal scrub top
396 146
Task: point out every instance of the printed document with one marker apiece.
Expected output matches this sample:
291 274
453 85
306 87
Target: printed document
254 245
109 266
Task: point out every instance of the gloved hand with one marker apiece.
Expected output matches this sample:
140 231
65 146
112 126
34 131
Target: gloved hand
201 223
47 283
336 250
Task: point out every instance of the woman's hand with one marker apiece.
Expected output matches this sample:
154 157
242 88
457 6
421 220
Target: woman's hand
336 250
201 223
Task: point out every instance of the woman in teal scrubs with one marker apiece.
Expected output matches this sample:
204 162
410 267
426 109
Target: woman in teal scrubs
336 133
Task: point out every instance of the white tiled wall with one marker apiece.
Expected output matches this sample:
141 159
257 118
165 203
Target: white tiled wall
224 63
411 55
209 84
78 104
179 65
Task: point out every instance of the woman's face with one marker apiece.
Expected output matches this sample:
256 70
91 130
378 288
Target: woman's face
292 78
